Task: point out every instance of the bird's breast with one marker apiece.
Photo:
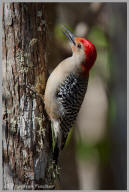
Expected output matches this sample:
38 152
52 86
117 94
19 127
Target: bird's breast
65 80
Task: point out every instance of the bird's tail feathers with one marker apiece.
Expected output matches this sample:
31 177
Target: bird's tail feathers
56 140
56 153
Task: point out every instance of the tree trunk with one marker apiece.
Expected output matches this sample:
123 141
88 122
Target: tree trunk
27 162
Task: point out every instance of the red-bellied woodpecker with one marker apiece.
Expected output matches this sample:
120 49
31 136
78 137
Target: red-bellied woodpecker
66 87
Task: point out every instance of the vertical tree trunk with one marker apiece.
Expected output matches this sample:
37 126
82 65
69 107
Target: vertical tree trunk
26 128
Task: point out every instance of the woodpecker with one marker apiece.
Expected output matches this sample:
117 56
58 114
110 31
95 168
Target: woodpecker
66 88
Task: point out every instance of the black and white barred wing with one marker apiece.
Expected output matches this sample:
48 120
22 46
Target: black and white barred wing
70 96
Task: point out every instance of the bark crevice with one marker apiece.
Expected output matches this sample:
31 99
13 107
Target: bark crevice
27 151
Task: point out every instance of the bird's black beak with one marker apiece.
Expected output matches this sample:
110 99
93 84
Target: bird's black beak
69 35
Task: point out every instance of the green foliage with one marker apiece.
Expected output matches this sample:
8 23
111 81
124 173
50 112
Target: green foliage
97 35
87 151
102 66
59 33
103 148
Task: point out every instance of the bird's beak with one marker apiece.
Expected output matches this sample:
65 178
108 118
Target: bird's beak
69 35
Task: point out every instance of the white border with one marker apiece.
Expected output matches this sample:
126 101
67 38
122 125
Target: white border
55 1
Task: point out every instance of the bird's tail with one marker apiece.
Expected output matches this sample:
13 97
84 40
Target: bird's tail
55 146
56 153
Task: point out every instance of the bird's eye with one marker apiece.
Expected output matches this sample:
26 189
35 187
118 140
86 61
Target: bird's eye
79 45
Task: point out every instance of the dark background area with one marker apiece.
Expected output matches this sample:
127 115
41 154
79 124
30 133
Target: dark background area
96 157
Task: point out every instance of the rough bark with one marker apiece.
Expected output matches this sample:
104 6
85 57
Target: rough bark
26 128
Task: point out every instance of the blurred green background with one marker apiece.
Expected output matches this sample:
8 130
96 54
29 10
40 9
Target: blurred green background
96 156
